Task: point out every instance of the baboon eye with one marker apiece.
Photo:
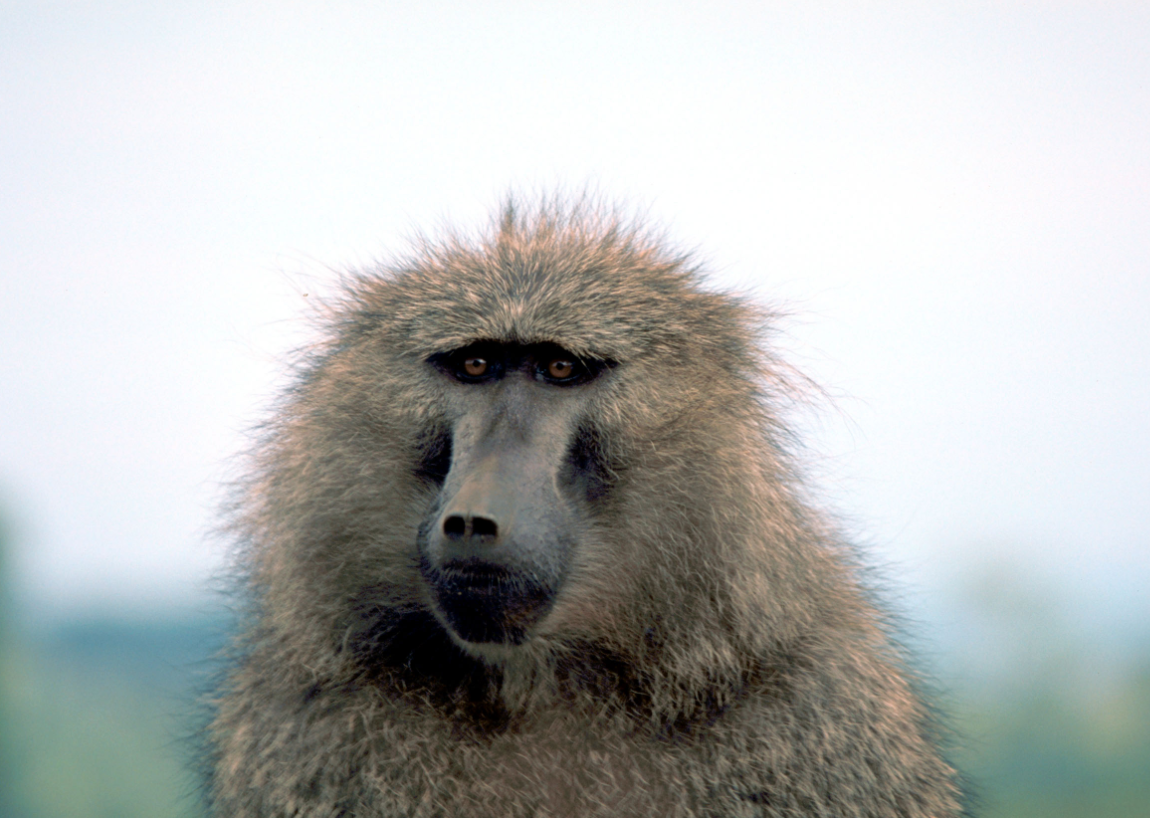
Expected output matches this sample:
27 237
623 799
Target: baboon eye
475 367
475 363
555 365
561 369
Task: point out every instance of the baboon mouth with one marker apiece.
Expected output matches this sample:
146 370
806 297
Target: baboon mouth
485 603
476 573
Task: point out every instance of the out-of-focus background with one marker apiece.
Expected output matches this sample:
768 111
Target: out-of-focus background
953 200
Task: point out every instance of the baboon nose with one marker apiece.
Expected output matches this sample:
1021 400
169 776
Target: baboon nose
483 527
454 527
458 526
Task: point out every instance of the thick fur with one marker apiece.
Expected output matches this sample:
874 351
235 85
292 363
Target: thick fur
712 651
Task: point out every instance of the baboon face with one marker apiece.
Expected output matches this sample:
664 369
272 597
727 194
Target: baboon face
518 470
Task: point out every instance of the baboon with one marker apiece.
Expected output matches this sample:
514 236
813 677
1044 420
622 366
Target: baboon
527 538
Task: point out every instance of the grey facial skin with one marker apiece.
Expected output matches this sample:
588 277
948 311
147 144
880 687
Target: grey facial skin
496 548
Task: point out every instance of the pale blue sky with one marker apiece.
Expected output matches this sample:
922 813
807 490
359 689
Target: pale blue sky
954 200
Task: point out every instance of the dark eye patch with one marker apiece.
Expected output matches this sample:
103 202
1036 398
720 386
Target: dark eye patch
434 456
485 361
554 364
475 363
587 466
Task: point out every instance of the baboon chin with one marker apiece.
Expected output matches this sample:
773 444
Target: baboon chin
526 539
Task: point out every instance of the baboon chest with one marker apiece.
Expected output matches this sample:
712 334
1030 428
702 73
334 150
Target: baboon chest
545 771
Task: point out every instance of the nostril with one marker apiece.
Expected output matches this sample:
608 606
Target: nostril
483 527
454 526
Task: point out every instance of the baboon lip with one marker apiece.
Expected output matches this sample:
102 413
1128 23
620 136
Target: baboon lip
485 603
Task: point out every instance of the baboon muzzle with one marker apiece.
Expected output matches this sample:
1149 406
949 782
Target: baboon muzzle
495 551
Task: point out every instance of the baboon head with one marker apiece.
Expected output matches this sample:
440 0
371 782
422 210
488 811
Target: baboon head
543 437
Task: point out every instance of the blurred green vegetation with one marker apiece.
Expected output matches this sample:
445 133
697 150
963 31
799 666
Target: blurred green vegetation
98 721
1041 753
1054 713
94 717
